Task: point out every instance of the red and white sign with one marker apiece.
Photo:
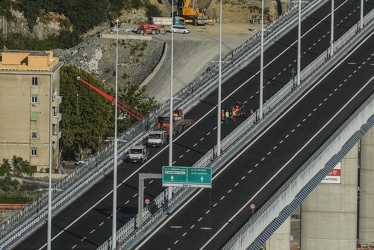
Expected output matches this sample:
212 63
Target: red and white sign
334 175
147 201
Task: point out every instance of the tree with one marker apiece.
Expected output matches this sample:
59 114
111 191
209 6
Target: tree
5 168
87 118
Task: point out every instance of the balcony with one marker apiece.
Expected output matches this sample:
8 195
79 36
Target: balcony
56 101
56 135
56 118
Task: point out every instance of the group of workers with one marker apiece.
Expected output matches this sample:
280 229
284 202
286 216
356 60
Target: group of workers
235 111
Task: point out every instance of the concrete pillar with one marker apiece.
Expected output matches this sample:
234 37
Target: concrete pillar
366 215
280 239
329 214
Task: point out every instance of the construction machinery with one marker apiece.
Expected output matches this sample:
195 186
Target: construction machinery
120 105
147 28
179 123
192 14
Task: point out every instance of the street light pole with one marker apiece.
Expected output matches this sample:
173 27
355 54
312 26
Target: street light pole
332 29
299 46
114 223
171 122
219 119
49 234
261 60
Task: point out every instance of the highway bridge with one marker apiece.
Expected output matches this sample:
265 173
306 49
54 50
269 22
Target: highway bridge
86 223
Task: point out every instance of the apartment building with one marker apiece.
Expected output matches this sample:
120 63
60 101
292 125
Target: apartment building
29 107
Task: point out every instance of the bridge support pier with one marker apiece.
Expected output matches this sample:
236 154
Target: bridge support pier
366 216
329 213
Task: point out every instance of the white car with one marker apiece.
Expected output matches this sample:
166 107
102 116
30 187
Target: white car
179 29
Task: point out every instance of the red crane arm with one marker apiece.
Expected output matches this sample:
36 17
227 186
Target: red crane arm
121 105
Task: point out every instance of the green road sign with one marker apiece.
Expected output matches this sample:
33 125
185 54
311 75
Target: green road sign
186 177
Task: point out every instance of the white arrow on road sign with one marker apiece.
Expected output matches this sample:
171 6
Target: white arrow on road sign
202 179
172 178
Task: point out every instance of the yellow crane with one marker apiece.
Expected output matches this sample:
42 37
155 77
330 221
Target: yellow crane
192 14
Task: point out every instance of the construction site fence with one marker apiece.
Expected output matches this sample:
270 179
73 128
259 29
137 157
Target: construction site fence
64 192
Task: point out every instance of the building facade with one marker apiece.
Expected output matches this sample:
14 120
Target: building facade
29 107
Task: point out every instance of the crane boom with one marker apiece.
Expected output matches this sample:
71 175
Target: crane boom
120 104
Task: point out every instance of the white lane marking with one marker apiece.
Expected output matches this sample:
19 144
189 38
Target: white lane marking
320 104
314 110
289 65
257 92
298 125
223 197
325 99
151 181
274 77
127 202
215 127
236 184
214 108
263 159
135 195
92 231
287 135
256 165
201 139
249 171
309 114
330 94
192 226
73 246
84 238
275 147
251 97
207 212
229 191
268 153
194 145
279 73
208 133
184 234
174 162
304 120
243 177
188 150
200 219
281 142
284 69
293 130
180 156
101 224
215 204
275 175
176 242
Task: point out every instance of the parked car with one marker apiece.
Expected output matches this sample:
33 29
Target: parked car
179 29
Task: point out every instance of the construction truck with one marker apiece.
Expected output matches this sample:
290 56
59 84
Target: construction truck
146 28
179 123
192 14
129 111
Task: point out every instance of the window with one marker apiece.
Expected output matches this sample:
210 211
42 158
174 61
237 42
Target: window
34 98
34 134
34 151
34 81
34 116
